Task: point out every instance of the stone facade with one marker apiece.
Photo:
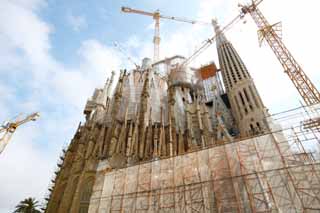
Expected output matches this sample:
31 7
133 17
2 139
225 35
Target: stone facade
153 114
247 106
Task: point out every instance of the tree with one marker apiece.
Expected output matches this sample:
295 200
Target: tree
28 205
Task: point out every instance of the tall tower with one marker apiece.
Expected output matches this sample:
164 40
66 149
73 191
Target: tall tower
247 106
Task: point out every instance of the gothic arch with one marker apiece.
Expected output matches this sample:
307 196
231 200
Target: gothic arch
85 194
73 190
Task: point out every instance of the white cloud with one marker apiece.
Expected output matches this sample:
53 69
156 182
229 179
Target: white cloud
75 86
99 56
30 4
25 169
25 32
6 95
209 9
134 42
48 86
77 22
25 51
274 86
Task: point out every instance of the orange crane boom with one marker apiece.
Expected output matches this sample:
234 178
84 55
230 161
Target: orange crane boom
156 16
268 32
10 127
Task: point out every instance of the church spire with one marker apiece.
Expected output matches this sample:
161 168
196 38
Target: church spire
246 104
221 38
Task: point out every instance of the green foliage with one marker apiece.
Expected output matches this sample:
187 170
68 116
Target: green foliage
28 205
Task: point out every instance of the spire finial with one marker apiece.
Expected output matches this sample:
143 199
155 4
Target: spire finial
220 35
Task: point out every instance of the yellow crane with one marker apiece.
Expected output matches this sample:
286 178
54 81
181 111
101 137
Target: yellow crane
207 43
9 128
156 16
270 33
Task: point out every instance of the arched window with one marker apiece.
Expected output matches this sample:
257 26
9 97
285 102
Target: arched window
252 130
85 196
258 125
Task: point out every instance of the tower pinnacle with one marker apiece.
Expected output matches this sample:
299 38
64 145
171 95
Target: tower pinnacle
221 38
246 104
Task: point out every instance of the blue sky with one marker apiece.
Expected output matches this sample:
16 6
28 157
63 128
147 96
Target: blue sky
55 52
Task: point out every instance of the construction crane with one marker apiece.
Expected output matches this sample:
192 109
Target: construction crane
9 128
125 54
270 33
207 43
156 16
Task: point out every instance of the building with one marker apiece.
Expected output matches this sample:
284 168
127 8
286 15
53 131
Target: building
165 142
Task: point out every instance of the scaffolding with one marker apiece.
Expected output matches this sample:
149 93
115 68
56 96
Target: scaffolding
277 171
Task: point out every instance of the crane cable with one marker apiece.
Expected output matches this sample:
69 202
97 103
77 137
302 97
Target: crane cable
121 49
207 43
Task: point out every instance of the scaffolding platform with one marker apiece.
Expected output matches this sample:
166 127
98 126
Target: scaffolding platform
275 172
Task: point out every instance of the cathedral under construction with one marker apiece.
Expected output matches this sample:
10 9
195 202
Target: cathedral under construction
171 138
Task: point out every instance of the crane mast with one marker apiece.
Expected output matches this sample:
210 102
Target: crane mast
9 128
156 38
156 16
268 32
